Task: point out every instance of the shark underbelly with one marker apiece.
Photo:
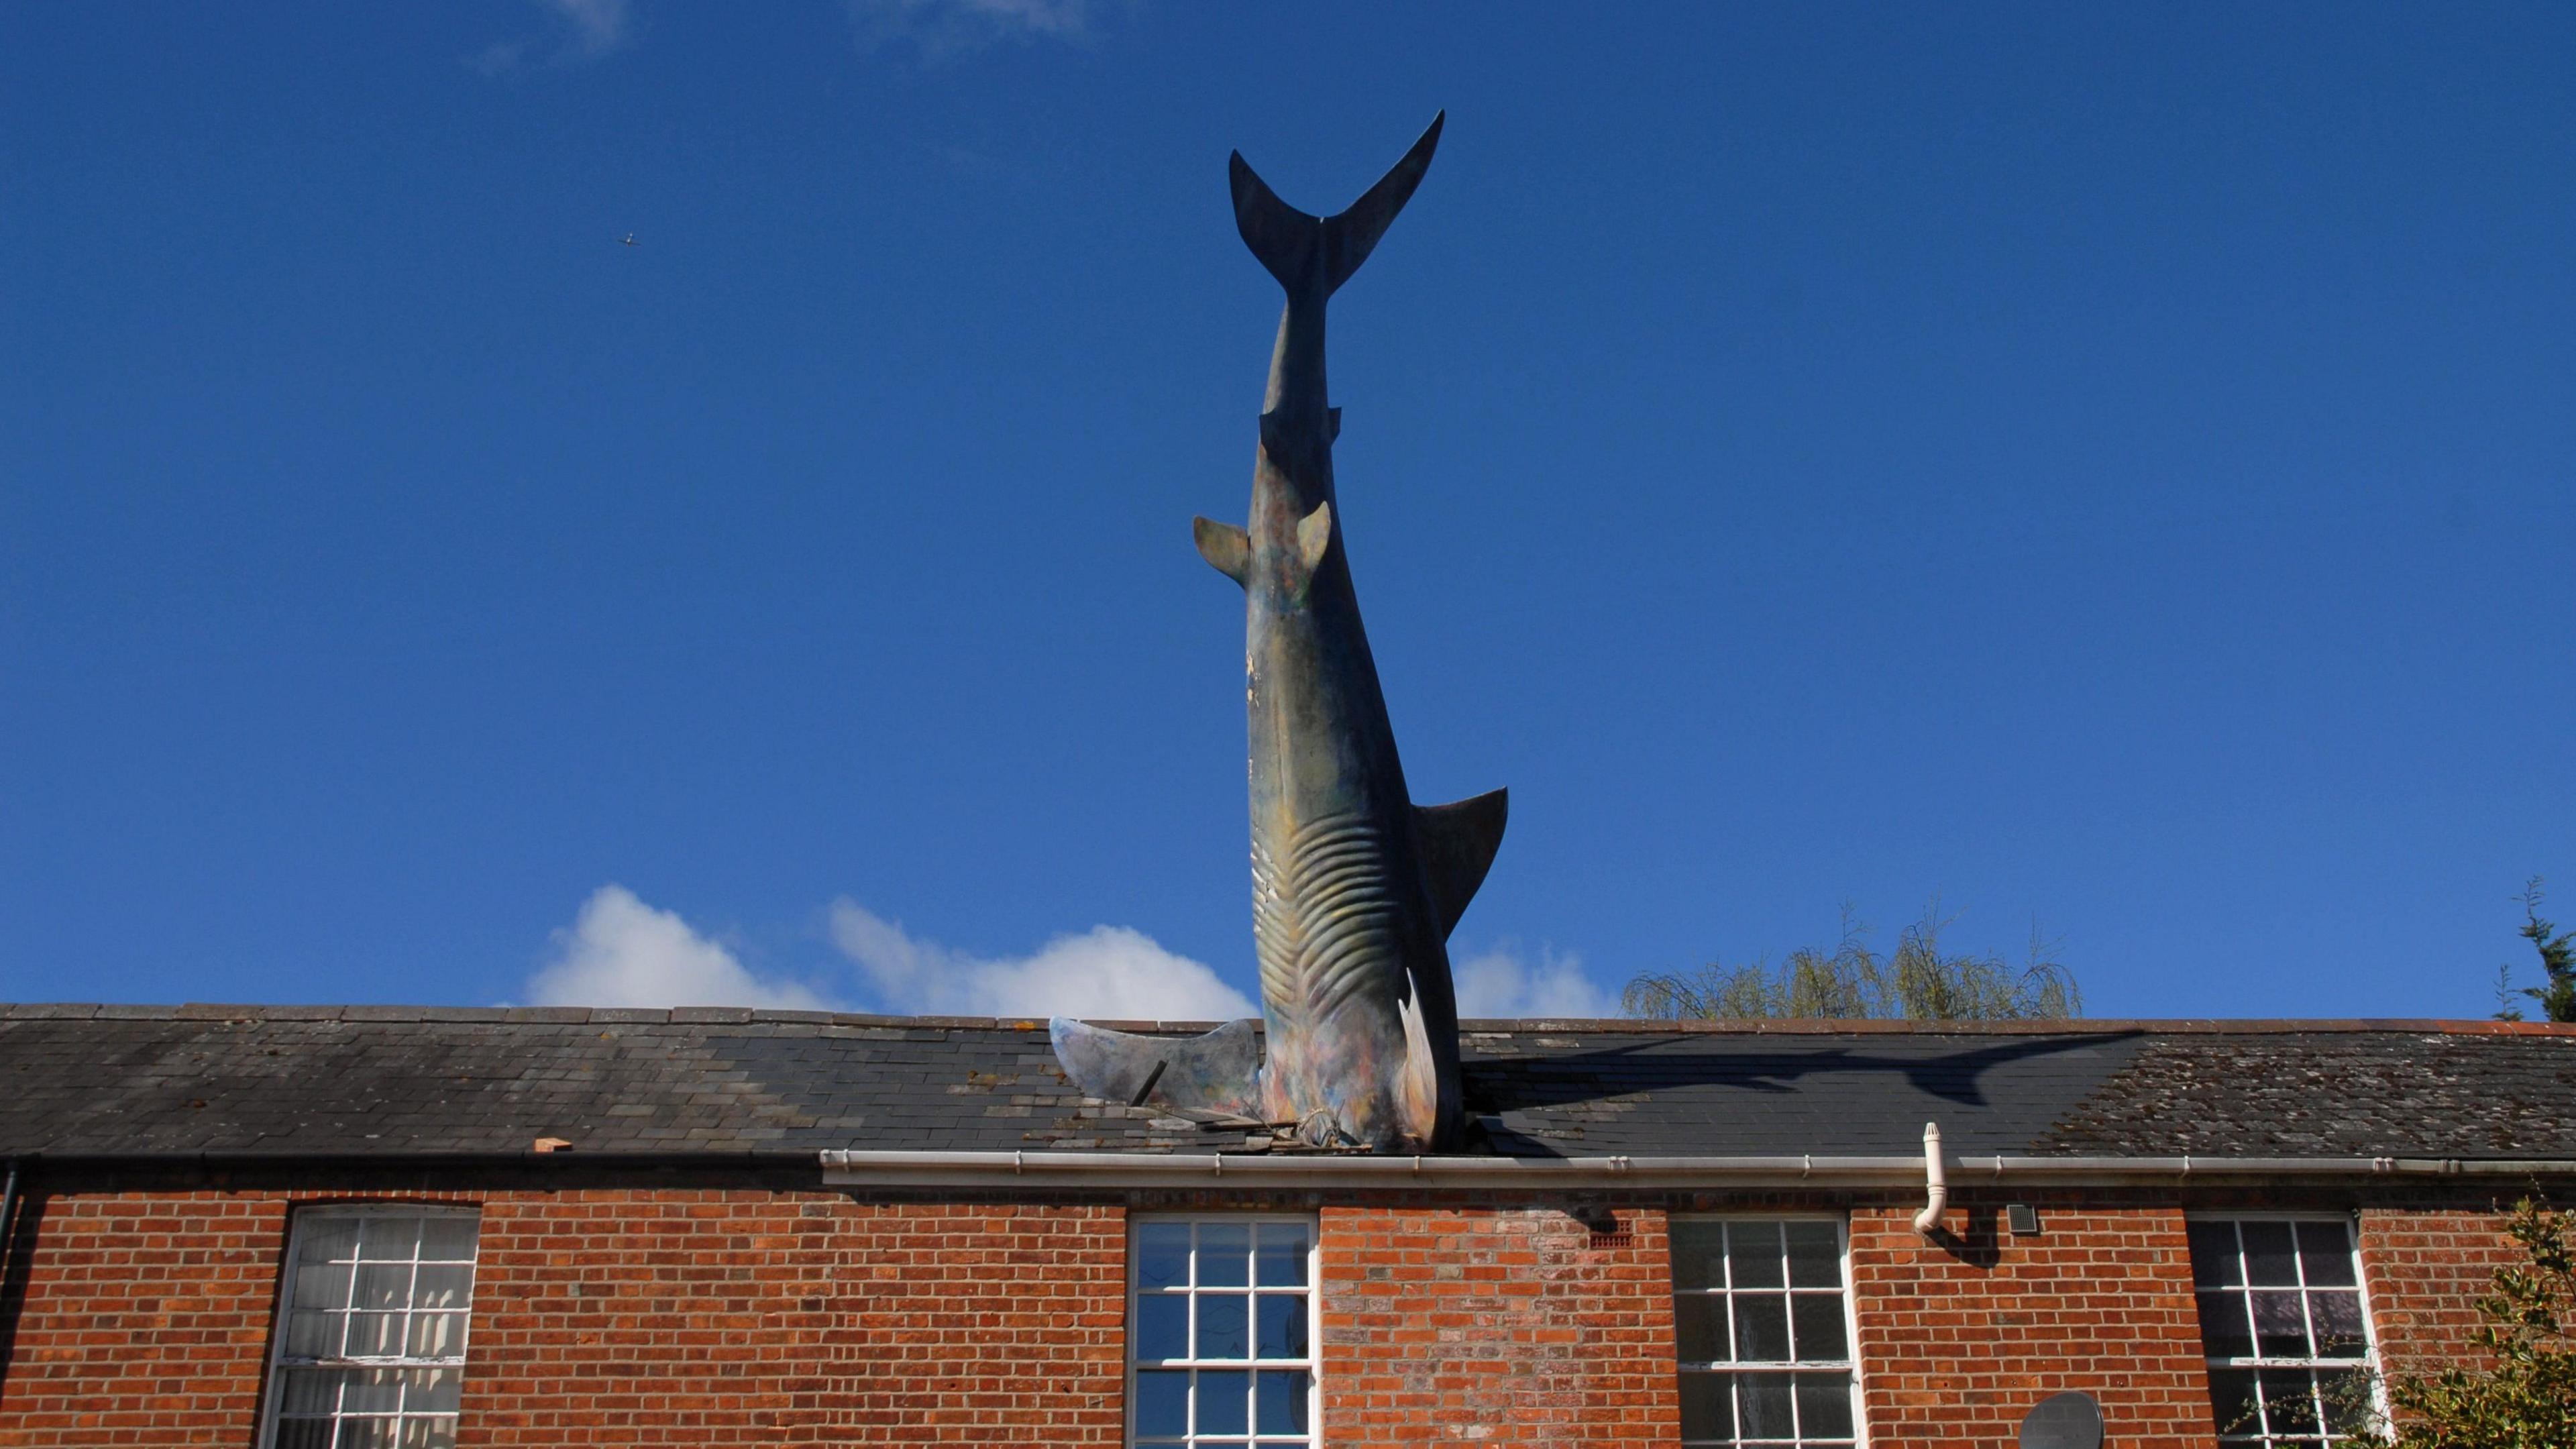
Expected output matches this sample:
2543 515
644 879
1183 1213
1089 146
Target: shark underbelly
1336 887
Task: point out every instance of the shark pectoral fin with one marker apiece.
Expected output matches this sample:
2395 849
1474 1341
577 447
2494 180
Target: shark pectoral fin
1458 841
1314 535
1218 1071
1226 548
1417 1083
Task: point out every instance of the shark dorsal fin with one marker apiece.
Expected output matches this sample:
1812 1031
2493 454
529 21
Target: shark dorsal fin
1224 546
1314 535
1458 841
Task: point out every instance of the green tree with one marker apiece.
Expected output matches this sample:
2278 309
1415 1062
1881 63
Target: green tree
2557 991
2522 1395
1918 982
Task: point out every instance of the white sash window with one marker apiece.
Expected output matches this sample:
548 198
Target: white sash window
369 1352
1221 1333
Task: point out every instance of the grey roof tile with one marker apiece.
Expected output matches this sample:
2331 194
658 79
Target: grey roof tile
357 1080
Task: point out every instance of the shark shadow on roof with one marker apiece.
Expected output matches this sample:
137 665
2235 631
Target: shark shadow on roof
1765 1065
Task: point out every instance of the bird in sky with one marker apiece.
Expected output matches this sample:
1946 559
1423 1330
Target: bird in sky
627 240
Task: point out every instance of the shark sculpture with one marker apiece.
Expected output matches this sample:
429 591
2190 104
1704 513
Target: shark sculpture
1354 887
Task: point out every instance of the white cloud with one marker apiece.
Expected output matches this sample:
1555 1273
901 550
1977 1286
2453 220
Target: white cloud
1105 972
500 57
1499 984
944 27
622 952
595 28
598 26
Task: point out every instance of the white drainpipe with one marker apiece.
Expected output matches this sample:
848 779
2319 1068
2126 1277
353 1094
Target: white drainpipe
1936 1185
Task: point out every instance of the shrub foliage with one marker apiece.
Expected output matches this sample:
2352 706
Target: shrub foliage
2521 1394
1917 982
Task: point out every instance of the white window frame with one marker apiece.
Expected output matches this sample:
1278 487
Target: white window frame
300 1223
1851 1319
2368 1362
1313 1363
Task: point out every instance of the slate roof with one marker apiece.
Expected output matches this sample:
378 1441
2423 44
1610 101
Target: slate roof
363 1081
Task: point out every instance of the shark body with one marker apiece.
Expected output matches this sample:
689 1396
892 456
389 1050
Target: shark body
1354 888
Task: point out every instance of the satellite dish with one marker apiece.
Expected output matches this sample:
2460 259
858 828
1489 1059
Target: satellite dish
2063 1421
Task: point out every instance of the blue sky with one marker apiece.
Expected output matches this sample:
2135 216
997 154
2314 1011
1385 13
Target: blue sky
2107 467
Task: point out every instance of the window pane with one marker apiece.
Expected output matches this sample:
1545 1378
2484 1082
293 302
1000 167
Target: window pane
1281 1325
1225 1255
1753 1255
448 1285
1281 1404
384 1238
1281 1256
1818 1319
328 1240
1761 1328
307 1391
1699 1328
2225 1332
2280 1328
371 1391
1223 1330
2325 1255
433 1391
382 1285
429 1434
1708 1406
373 1335
2213 1255
1765 1403
369 1434
2289 1402
1815 1255
2337 1320
2270 1261
313 1335
1699 1251
1824 1406
1225 1399
1162 1255
449 1236
2348 1405
436 1335
1163 1401
304 1433
322 1285
2231 1402
1162 1326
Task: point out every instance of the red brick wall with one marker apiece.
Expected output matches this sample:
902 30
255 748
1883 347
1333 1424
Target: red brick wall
2424 1271
1495 1325
611 1318
145 1321
741 1317
976 1324
1960 1337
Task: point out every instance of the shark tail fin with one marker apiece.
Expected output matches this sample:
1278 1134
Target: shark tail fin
1294 245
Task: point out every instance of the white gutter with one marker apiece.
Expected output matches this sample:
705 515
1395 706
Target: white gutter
1936 1186
1076 1171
